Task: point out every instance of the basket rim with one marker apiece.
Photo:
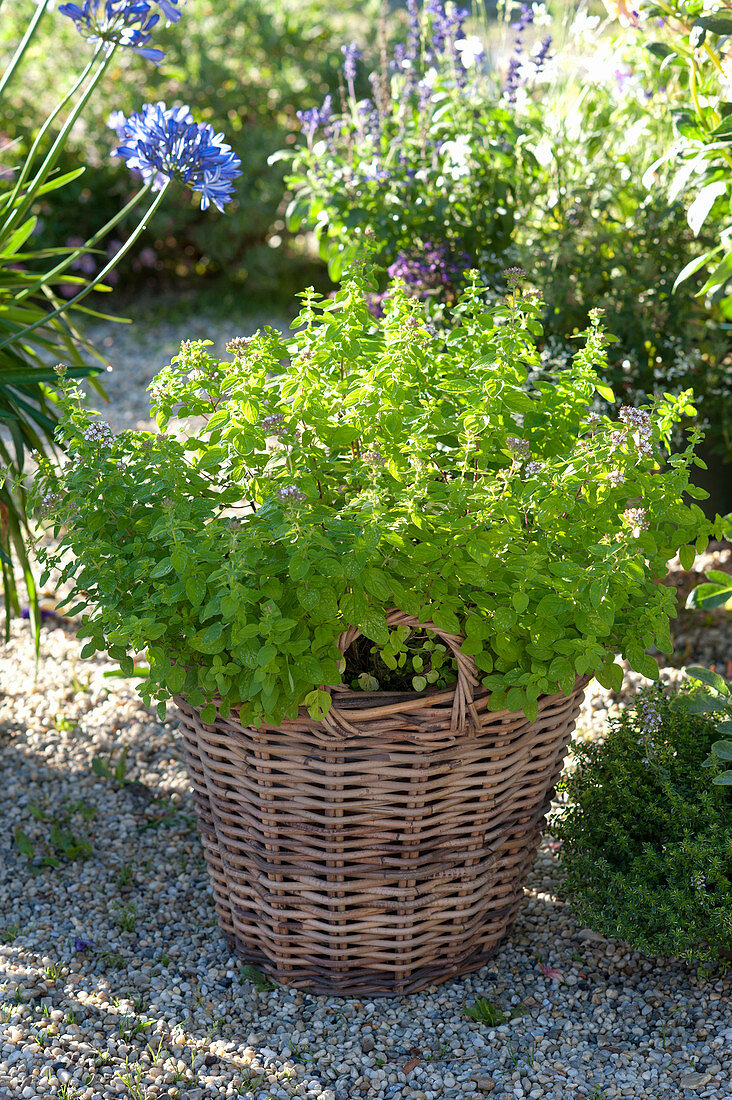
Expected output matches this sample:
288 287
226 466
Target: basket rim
359 701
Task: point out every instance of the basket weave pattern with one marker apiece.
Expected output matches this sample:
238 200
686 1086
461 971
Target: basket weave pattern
385 848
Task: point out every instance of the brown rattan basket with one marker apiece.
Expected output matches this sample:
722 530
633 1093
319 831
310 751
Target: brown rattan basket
385 848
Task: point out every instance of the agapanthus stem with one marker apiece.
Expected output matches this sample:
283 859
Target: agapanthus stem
56 149
98 236
23 45
27 164
15 336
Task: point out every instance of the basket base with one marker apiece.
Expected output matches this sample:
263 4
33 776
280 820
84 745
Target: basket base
367 983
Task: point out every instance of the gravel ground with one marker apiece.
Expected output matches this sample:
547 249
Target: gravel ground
156 1006
137 353
114 979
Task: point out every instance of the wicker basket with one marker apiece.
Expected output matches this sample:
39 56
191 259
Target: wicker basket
385 848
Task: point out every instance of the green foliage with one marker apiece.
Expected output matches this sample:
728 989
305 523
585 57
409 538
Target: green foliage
365 465
410 660
56 841
716 703
433 158
245 65
260 981
716 591
691 51
117 772
647 839
594 235
485 1012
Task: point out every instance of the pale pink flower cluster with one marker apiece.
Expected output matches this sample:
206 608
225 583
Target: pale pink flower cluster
519 446
99 432
637 518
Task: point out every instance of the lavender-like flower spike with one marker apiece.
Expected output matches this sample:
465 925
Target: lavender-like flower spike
637 518
165 144
99 432
315 117
351 54
120 23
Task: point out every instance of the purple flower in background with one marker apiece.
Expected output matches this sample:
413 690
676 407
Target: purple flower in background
313 119
81 946
120 23
85 262
433 267
514 77
45 614
623 78
165 144
351 54
446 26
542 54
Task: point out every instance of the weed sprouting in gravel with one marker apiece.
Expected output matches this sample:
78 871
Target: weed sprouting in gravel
485 1012
125 916
260 981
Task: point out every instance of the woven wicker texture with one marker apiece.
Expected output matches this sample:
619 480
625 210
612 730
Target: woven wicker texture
383 849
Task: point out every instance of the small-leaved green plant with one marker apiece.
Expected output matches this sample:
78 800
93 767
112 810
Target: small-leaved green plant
646 837
365 465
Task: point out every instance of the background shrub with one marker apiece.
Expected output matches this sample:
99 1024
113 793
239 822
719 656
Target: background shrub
595 237
648 837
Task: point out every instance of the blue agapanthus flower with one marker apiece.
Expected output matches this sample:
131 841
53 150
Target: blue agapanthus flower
164 143
121 22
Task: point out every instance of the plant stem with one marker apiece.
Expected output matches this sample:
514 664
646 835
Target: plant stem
68 260
23 45
55 151
100 278
43 130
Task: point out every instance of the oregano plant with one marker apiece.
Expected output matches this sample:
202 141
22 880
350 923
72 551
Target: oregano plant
309 483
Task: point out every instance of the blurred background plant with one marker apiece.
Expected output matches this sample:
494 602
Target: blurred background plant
245 65
431 162
596 236
42 287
